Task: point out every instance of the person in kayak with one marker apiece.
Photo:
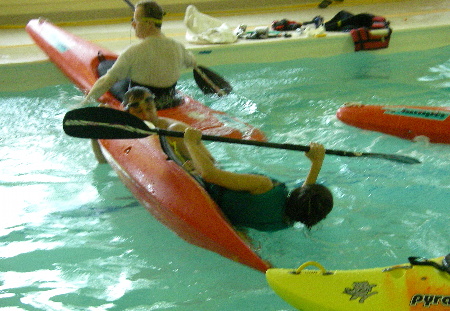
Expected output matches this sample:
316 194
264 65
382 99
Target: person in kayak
248 200
155 62
257 201
140 102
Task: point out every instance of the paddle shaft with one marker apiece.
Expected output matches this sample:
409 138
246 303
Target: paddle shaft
131 5
294 147
233 140
107 123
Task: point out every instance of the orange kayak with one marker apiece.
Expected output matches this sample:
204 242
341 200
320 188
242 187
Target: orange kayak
168 192
407 122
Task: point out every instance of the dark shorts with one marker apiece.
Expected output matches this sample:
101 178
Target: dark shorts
166 97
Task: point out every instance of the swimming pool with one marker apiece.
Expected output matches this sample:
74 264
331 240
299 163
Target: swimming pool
74 238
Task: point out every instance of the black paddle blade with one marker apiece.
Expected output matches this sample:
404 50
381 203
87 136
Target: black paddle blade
205 85
103 123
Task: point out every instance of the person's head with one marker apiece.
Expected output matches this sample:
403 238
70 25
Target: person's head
148 15
140 102
309 204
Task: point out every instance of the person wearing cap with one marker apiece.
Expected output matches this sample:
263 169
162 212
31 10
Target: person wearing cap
140 102
156 62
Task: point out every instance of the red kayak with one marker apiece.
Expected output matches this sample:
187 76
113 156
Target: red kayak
407 122
169 193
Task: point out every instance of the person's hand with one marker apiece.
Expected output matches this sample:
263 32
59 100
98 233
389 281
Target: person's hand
192 135
316 152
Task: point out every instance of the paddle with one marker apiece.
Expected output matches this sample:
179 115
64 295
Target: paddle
210 82
207 80
107 123
131 5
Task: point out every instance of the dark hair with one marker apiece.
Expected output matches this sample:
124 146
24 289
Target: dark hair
309 204
135 91
154 10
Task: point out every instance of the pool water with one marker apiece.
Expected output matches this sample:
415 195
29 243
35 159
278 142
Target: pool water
73 237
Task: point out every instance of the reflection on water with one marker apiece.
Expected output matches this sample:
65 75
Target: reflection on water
73 238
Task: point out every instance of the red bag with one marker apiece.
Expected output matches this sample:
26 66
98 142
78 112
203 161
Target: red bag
373 38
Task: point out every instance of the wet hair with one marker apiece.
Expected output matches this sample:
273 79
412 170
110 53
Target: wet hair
137 92
309 204
152 10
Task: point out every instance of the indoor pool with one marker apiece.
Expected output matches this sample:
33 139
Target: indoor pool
74 238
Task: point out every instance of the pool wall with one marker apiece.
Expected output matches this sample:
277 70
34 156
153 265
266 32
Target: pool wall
19 12
29 76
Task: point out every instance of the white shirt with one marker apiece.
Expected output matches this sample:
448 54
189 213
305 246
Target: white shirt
155 61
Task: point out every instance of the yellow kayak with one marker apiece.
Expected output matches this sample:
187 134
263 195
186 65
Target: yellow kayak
421 284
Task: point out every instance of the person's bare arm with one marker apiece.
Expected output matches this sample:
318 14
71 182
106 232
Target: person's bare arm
316 154
255 184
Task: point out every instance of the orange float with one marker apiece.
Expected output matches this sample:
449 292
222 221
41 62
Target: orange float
407 122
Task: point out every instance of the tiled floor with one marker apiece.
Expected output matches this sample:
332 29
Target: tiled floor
17 47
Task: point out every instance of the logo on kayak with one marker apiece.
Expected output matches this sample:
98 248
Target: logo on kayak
419 113
57 41
428 300
361 290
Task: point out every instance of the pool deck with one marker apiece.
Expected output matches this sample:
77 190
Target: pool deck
17 47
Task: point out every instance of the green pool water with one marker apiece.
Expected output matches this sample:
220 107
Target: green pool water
72 237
